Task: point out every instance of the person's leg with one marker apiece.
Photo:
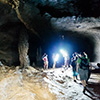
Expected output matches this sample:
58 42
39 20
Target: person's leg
47 66
84 85
89 73
82 74
44 65
74 79
74 76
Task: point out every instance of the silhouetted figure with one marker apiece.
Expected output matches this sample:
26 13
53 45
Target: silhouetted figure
89 67
83 69
45 59
73 64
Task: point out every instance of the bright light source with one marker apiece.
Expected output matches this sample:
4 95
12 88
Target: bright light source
64 53
56 57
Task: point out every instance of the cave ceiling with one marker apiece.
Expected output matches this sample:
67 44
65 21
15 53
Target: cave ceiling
49 20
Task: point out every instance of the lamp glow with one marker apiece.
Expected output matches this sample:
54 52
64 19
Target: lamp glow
56 57
64 53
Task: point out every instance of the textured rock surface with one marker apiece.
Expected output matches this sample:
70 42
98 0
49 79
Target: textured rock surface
40 17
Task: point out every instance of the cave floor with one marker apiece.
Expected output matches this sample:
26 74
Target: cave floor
51 84
93 86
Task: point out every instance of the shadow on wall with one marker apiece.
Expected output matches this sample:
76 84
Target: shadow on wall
95 28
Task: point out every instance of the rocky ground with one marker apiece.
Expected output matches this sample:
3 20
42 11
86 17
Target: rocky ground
52 84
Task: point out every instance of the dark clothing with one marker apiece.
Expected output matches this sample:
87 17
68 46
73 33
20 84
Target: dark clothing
83 68
84 64
74 63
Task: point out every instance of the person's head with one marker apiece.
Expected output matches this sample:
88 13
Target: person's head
73 54
45 55
76 53
82 54
98 64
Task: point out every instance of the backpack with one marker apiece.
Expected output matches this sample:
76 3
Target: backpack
84 63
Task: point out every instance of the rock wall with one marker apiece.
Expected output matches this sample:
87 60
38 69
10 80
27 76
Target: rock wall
8 34
41 18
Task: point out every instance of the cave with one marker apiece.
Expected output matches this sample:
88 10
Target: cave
31 28
48 26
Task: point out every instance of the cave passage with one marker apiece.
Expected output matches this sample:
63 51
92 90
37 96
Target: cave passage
69 42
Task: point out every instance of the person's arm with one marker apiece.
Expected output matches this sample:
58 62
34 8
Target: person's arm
77 67
86 56
43 58
78 64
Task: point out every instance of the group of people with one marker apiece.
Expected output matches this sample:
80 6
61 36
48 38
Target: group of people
55 58
81 66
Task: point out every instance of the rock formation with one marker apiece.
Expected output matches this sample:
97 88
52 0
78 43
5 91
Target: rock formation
44 20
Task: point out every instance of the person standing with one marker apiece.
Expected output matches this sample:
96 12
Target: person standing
45 59
89 68
73 64
54 61
83 69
